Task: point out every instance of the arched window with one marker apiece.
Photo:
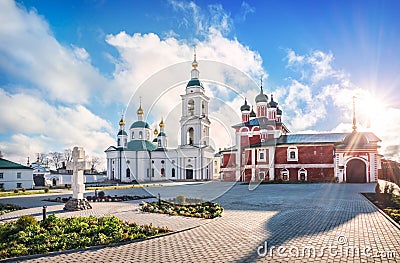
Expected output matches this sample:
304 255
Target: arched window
190 107
133 135
162 172
302 175
285 174
128 173
140 135
119 142
190 136
173 172
203 108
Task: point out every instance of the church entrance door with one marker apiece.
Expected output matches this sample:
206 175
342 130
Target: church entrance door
356 171
189 173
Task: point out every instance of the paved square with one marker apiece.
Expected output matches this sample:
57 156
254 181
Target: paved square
332 220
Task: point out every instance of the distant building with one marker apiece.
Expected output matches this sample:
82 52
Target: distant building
217 166
15 175
142 154
265 150
44 176
390 171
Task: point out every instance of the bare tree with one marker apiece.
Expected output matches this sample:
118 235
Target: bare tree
95 161
56 159
68 155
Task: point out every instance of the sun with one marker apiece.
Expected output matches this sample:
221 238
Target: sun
370 109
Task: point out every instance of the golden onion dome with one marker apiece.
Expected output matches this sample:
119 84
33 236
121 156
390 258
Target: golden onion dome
140 110
155 131
162 123
122 122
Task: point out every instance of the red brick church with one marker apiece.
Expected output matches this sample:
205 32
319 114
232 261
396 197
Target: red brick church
265 150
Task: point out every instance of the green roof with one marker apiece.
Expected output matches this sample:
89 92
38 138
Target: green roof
122 132
194 82
140 145
5 164
140 124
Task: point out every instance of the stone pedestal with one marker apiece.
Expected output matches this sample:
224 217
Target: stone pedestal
74 204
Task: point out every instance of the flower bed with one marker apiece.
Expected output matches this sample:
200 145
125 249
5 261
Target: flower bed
389 203
205 210
26 236
7 208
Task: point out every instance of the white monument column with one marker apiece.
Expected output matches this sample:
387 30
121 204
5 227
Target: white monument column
77 202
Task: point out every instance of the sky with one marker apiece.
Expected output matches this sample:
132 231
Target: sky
69 69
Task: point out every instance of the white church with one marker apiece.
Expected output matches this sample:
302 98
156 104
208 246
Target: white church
142 155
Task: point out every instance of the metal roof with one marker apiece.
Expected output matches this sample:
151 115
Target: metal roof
6 164
311 138
140 145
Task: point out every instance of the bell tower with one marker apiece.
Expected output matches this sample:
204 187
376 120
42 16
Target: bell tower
195 125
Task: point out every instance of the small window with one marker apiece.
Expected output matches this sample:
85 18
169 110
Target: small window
261 176
215 163
140 135
133 135
152 172
128 173
302 175
162 172
18 175
292 153
285 175
19 185
261 155
148 172
173 172
1 175
222 176
1 186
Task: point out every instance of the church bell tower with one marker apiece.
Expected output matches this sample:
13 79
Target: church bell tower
195 125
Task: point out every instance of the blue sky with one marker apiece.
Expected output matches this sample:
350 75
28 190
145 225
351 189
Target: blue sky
68 68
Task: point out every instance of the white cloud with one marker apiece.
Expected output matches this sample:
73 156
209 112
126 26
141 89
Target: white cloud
40 127
322 88
29 51
192 16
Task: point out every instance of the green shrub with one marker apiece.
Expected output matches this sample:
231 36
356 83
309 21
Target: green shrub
23 189
46 190
25 221
16 191
101 194
386 189
28 236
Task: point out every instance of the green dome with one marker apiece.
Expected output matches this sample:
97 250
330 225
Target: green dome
122 132
252 113
140 124
245 106
194 82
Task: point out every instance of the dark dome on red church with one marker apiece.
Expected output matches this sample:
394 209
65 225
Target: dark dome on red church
245 106
272 103
261 97
355 140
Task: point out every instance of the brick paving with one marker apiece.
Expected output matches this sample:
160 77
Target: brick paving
333 218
